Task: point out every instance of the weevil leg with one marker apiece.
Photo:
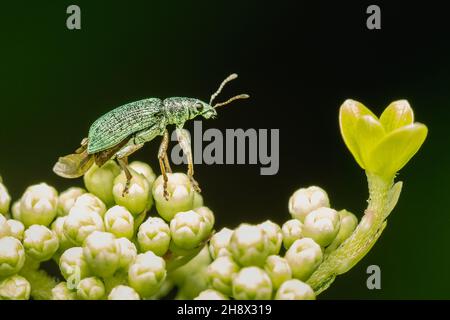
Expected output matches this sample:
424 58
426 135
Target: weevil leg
162 157
122 159
185 143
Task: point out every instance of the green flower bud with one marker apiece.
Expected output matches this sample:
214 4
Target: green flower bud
5 199
292 230
5 229
220 274
91 289
252 283
348 225
147 273
144 169
188 229
90 203
278 270
123 293
208 218
138 199
80 223
304 256
220 242
198 200
154 235
305 200
15 210
16 228
128 253
58 230
66 200
61 292
120 222
15 288
322 225
295 290
12 256
40 243
211 294
99 181
38 205
102 253
249 245
73 265
181 195
274 236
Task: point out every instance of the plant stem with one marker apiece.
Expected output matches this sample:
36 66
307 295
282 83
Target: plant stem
380 203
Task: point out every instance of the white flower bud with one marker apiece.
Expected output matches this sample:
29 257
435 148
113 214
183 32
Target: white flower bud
38 205
5 229
211 294
349 222
73 264
249 245
220 274
208 218
5 199
305 200
252 283
147 273
322 225
102 253
80 223
91 203
12 256
58 230
61 292
144 169
138 199
154 235
292 230
274 236
187 229
304 256
99 181
219 245
295 290
91 288
40 243
66 200
15 288
122 292
120 222
16 228
128 253
15 210
278 270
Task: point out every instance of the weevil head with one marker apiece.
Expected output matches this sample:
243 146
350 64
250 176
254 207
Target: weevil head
200 108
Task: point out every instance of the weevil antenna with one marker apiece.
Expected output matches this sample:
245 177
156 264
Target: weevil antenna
240 96
224 82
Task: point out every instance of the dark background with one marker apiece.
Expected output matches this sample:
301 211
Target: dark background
298 61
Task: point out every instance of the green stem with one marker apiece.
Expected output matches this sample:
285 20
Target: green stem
41 283
381 202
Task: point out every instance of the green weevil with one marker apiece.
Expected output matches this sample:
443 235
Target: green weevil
124 130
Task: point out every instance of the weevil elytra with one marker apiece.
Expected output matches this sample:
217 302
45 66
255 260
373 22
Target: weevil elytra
126 129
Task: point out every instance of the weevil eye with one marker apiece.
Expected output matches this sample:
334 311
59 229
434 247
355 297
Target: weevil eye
199 107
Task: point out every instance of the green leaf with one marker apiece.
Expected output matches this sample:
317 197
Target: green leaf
369 133
349 114
396 115
396 149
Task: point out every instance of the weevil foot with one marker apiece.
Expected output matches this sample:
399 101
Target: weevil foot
126 189
195 184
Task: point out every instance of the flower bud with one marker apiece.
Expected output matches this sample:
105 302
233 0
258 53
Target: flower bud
15 288
304 256
252 283
187 229
249 245
211 294
120 222
123 293
16 228
305 200
274 236
278 270
80 223
147 273
91 203
322 225
198 200
38 205
40 242
197 264
292 230
58 230
154 235
144 169
66 200
12 256
295 289
128 253
99 181
73 265
349 223
220 274
138 199
219 245
208 218
102 253
5 199
61 292
181 195
91 289
5 229
15 210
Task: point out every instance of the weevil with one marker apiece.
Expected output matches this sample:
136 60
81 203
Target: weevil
124 130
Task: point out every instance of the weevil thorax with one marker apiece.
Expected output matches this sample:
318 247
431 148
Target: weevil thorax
179 109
